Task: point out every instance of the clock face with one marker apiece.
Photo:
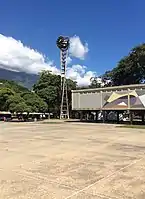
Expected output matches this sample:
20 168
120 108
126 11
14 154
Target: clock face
63 43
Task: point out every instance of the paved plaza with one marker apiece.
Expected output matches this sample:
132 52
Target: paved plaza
71 161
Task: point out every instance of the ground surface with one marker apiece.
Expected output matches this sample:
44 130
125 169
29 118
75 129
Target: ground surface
71 160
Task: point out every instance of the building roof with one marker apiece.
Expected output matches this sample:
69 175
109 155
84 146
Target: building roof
123 87
5 112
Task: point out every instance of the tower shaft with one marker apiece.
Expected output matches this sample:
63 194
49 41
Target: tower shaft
64 108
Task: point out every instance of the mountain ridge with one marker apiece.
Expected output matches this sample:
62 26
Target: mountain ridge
22 78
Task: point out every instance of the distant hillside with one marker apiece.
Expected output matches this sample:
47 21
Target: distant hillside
24 79
13 86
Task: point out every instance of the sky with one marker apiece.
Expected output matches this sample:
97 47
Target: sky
101 33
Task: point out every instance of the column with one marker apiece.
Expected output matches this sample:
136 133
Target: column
117 117
96 117
131 117
81 115
142 117
104 116
88 116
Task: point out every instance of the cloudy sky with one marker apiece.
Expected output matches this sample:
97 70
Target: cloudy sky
16 56
101 33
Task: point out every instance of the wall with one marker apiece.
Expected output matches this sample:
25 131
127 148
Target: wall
109 100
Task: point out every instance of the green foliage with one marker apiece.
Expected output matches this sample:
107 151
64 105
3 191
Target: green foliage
71 84
94 83
12 102
130 69
45 97
5 93
12 85
49 94
16 98
48 87
20 107
35 102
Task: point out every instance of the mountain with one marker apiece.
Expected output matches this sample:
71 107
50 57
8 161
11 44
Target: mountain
13 86
24 79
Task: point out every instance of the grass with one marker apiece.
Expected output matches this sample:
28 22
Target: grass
52 122
132 126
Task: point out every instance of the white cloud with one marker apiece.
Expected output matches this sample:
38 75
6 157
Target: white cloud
15 56
79 74
77 48
69 60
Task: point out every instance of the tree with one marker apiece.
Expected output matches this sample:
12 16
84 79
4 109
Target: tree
48 87
12 86
20 108
95 82
101 81
16 103
5 93
35 102
10 94
130 69
71 85
16 98
13 101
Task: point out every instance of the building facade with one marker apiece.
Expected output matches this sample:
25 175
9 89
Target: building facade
117 98
126 97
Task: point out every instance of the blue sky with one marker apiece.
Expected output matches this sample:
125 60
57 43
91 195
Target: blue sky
109 27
